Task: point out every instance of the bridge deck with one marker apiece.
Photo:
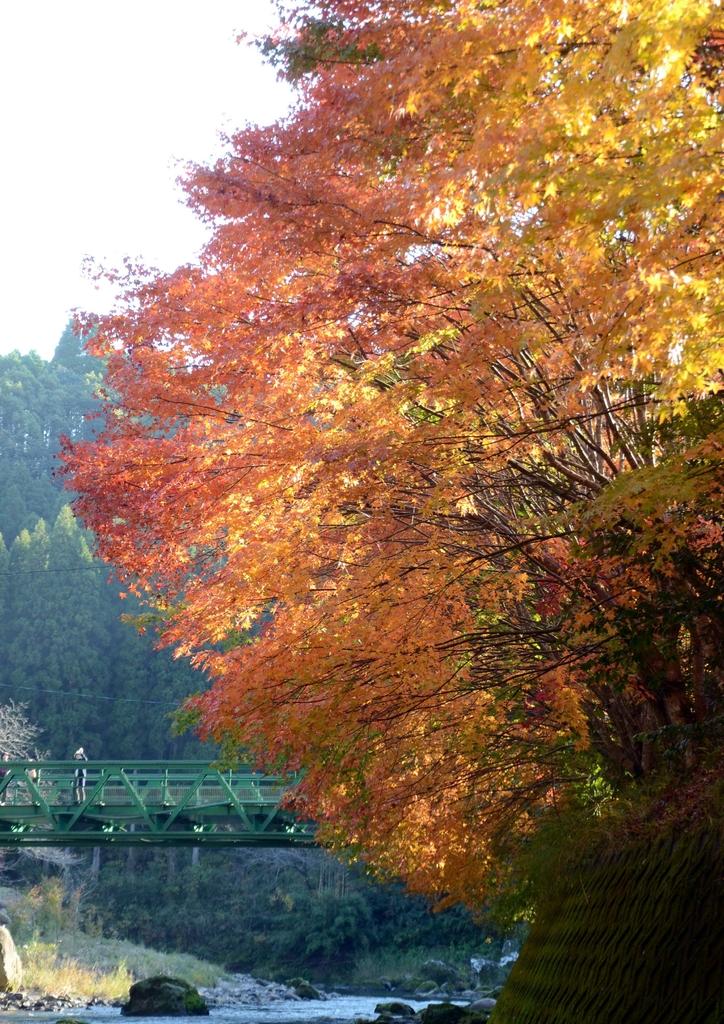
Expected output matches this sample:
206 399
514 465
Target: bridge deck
134 803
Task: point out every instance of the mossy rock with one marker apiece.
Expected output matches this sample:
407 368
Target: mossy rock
303 989
395 1009
427 985
442 1013
442 973
161 996
484 1005
70 1020
195 1004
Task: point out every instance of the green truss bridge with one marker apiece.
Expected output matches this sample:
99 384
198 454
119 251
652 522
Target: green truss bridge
139 803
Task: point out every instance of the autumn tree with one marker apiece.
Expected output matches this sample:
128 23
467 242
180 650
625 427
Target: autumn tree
422 459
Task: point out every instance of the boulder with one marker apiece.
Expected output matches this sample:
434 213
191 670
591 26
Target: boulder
395 1009
441 1013
487 1003
303 989
160 996
70 1020
441 972
11 968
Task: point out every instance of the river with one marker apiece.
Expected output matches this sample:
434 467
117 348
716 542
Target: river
333 1010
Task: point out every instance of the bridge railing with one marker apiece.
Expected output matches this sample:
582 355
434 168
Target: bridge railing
160 783
138 802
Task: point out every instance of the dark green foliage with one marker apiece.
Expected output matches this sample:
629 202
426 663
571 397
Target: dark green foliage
318 43
277 912
87 677
633 936
39 402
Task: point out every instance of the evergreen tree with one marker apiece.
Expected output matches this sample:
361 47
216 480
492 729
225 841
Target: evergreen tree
71 354
39 402
4 582
87 675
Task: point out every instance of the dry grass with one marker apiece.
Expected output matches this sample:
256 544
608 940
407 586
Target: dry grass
84 967
46 971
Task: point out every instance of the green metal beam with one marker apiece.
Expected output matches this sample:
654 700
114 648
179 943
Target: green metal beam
142 803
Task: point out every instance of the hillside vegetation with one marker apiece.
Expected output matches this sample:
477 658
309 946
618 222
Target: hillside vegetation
87 676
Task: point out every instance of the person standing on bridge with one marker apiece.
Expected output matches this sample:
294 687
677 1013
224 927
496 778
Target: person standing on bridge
80 776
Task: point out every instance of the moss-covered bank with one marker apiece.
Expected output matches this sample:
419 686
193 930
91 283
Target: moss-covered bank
632 937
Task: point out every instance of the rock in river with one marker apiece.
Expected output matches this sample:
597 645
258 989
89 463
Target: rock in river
303 989
485 1005
395 1009
441 1013
164 997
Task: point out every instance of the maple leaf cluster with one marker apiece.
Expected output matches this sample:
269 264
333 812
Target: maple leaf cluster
422 459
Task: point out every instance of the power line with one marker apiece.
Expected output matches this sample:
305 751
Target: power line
62 568
92 696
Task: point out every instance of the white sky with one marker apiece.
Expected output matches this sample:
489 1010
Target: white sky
99 102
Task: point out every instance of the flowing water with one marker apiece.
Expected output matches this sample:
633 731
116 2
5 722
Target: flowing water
333 1010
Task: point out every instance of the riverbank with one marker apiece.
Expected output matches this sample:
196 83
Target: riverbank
77 966
66 969
76 969
62 985
57 983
